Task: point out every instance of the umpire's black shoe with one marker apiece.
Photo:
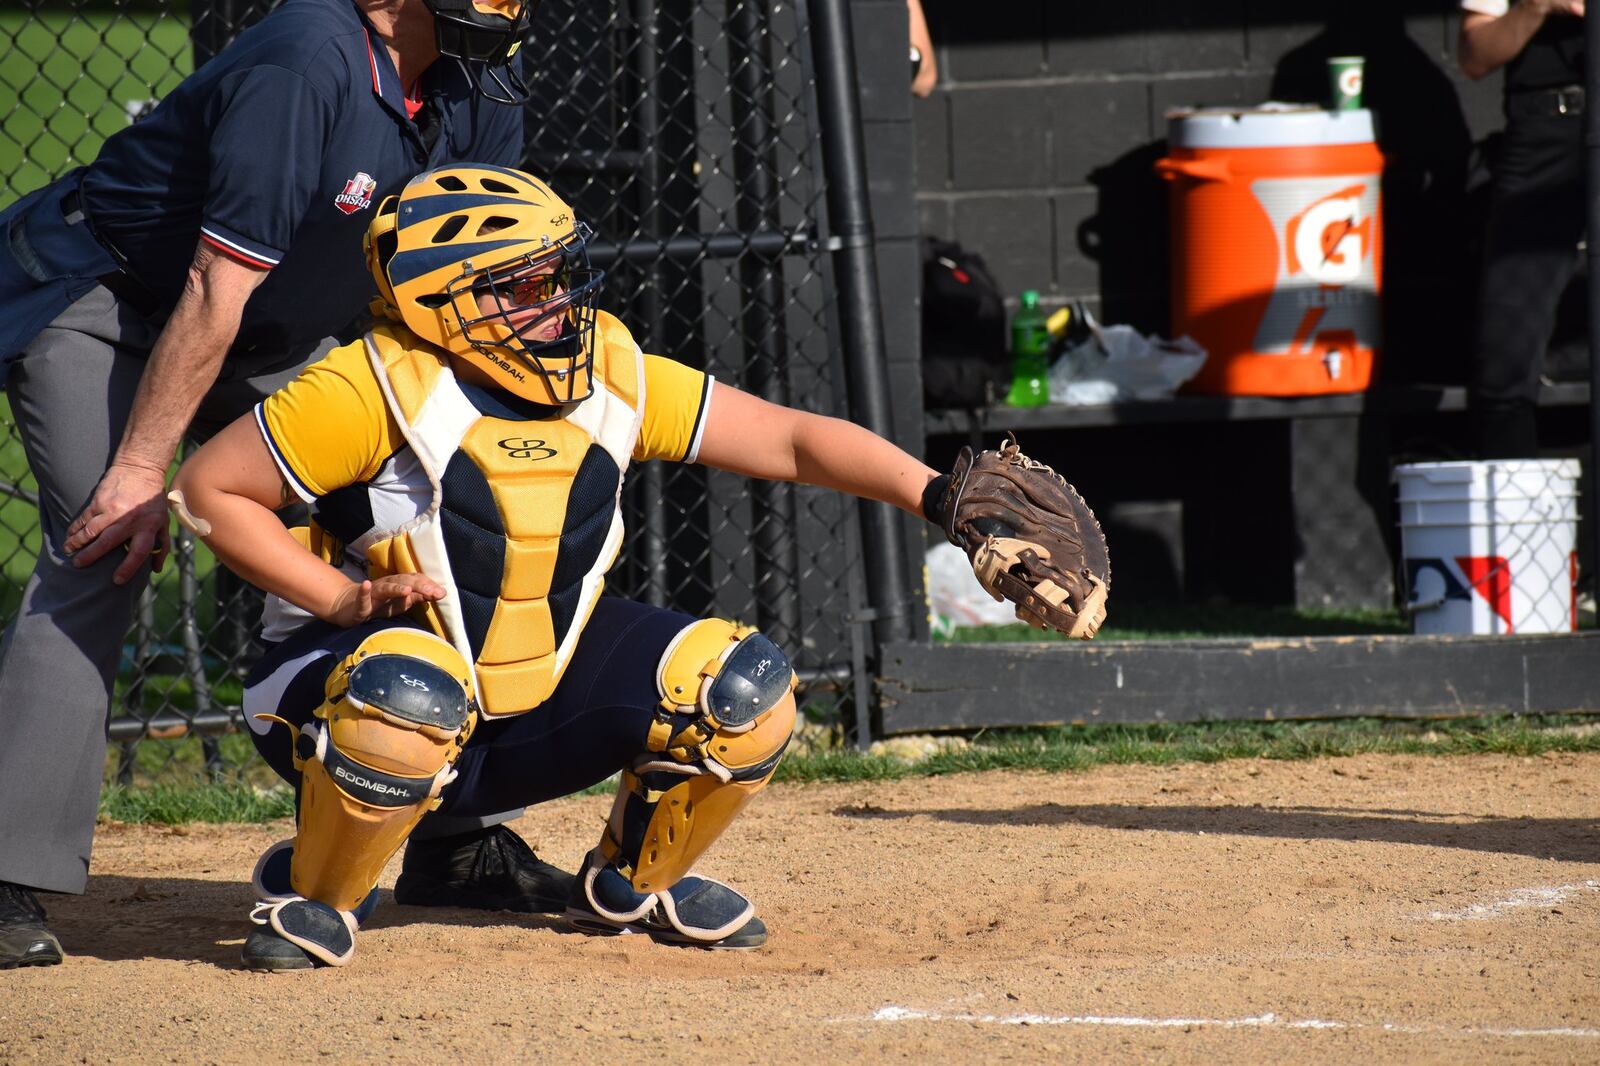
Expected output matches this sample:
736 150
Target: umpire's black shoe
489 869
24 940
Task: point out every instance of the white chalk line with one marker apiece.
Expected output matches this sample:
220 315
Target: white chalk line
1519 898
1259 1021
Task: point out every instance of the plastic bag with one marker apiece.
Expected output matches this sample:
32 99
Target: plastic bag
955 595
1120 363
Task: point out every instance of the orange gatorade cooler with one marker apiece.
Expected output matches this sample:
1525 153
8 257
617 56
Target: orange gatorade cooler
1276 246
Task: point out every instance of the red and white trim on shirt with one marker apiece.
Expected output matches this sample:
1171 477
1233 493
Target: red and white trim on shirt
234 250
372 61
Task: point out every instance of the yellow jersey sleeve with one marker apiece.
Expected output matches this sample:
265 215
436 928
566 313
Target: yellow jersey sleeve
676 399
329 427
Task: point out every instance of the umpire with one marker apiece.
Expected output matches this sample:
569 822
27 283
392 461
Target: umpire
1536 214
209 253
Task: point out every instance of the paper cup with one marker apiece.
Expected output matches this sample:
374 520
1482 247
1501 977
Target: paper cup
1345 82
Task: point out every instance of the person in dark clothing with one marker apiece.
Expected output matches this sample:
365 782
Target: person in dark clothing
1536 215
210 252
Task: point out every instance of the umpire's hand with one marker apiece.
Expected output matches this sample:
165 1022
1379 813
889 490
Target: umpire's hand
129 508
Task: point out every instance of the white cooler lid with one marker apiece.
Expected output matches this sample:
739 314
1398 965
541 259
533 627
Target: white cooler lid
1271 125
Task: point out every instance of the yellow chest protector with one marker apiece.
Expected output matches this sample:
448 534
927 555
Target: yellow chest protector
525 517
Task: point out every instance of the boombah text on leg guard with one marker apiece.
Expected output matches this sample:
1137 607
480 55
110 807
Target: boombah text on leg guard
372 762
726 714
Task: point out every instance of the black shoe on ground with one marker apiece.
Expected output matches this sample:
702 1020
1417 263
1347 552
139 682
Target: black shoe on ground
24 939
487 869
271 953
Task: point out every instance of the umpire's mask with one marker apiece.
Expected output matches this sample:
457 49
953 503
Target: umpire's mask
483 36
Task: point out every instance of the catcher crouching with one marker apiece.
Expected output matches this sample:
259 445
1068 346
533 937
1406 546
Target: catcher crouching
436 637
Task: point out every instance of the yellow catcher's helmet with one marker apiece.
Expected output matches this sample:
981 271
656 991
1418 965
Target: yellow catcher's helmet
489 264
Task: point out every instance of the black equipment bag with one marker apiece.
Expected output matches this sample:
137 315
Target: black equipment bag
964 350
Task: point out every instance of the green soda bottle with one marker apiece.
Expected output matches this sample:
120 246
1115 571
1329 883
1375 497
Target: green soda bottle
1030 355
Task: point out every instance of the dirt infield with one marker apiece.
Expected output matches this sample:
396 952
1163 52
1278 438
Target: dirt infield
1389 908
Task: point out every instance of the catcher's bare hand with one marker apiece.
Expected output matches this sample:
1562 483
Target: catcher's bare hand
1029 535
384 597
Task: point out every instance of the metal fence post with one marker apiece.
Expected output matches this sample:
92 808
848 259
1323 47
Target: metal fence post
1591 141
760 279
860 308
644 64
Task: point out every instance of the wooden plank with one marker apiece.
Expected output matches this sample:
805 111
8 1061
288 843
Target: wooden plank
965 686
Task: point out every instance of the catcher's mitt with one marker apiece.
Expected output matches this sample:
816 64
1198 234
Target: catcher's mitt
1031 538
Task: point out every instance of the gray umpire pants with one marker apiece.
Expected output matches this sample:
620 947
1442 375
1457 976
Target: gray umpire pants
70 392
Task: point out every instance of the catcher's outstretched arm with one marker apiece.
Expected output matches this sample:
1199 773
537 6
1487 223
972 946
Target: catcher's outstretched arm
745 434
1030 537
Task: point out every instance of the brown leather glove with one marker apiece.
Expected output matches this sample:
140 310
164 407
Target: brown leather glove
1030 536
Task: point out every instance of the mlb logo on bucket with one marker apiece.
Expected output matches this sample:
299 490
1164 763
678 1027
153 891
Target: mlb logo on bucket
1490 547
357 194
1438 581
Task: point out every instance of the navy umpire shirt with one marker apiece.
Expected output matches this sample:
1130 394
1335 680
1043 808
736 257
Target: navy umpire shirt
277 152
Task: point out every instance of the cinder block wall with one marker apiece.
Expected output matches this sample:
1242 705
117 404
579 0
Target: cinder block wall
1036 149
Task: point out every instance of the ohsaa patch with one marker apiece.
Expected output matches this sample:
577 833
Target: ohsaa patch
357 194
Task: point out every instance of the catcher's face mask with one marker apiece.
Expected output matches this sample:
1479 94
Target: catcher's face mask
483 36
490 265
536 310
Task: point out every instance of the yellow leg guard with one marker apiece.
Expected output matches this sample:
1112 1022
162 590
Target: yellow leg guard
396 715
674 802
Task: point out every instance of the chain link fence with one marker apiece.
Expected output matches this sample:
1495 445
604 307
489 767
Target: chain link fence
686 133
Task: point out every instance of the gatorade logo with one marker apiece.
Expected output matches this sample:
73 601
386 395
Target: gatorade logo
1328 240
1350 82
1323 302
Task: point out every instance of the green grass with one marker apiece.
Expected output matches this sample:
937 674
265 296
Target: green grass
179 762
161 783
72 76
172 805
1076 748
1065 749
173 692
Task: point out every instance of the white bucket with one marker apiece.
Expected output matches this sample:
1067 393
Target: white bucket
1489 547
